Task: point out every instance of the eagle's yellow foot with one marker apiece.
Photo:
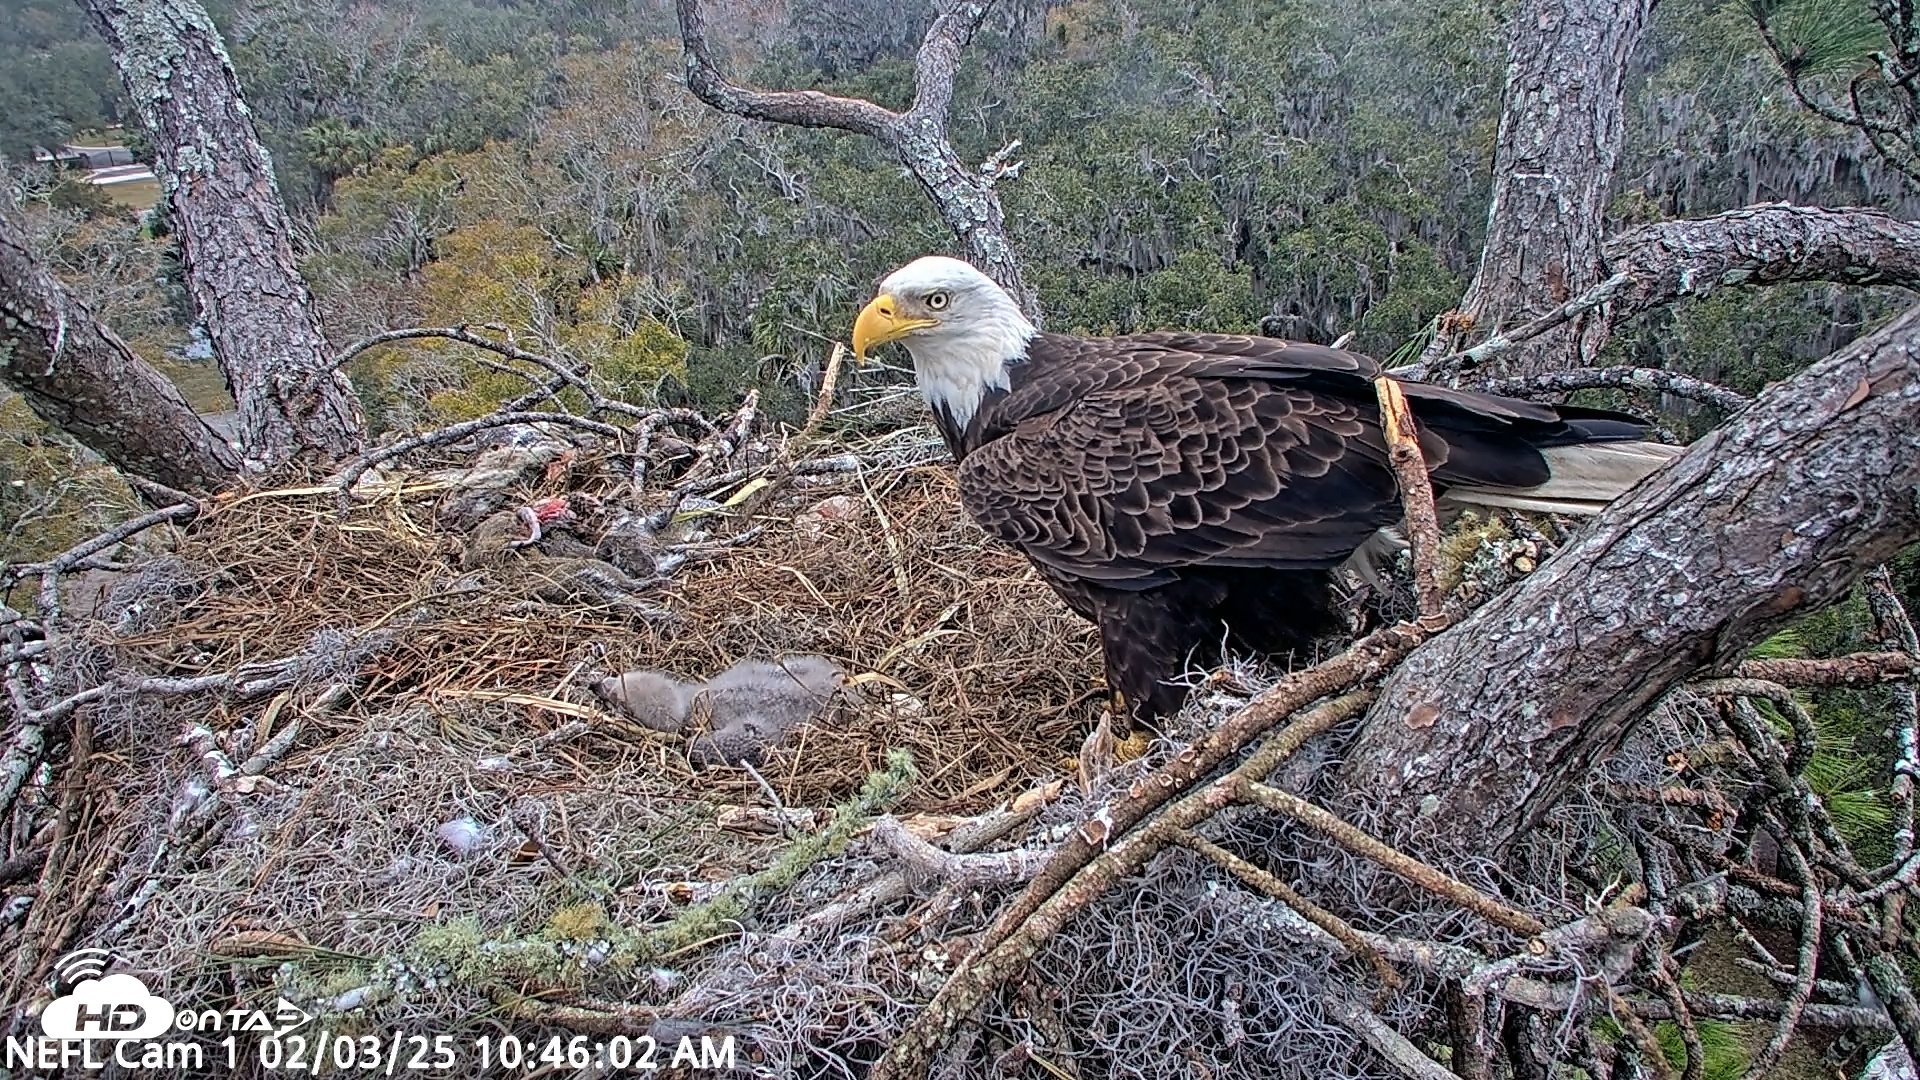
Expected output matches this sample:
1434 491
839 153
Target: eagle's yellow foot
1133 746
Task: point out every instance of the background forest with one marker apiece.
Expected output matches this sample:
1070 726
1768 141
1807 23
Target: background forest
1303 168
1313 168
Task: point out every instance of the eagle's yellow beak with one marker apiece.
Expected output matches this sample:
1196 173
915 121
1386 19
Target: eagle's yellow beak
880 322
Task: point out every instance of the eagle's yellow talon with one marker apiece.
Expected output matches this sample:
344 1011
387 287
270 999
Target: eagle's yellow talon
1133 746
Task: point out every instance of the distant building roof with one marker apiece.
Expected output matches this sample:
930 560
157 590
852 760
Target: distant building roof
120 174
86 157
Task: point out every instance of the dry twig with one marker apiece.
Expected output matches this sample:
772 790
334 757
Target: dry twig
1416 491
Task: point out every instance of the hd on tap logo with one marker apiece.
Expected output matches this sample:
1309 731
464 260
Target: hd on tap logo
101 1006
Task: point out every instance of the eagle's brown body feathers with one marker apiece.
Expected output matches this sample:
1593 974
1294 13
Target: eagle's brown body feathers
1188 491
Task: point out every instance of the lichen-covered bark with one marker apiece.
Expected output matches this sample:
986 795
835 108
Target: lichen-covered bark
1773 516
81 378
1560 135
1761 245
966 202
234 237
965 198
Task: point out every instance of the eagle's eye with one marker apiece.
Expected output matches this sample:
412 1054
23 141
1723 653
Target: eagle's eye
937 301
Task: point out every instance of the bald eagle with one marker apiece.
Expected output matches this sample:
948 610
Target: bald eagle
1187 492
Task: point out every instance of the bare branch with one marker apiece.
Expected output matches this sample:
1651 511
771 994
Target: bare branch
1416 491
1469 359
563 374
458 333
1767 244
800 108
77 554
1385 1041
964 197
1645 380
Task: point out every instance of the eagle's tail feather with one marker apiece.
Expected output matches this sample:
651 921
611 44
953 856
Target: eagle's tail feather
1584 478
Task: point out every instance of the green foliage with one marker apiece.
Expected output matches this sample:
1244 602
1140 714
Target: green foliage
1725 1055
334 148
1823 37
56 77
53 493
1786 644
1184 165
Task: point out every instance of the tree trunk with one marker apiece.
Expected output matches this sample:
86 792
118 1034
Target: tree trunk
1772 517
1560 135
79 377
233 233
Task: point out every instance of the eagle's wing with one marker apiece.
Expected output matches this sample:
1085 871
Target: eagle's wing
1145 457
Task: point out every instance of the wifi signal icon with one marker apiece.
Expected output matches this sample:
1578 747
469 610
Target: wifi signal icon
80 965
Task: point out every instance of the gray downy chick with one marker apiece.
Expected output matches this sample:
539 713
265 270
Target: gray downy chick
753 705
654 699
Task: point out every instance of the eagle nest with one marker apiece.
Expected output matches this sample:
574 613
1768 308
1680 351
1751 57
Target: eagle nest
341 751
399 751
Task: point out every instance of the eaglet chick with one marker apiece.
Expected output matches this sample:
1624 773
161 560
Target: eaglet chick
747 709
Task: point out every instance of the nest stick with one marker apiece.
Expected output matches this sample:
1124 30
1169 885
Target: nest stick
1805 965
1661 974
1895 630
1370 655
74 555
973 871
1889 979
1416 491
1798 719
24 750
997 959
1466 1016
600 1018
1388 1043
829 381
1853 669
1651 1053
1385 855
726 442
1268 883
1796 803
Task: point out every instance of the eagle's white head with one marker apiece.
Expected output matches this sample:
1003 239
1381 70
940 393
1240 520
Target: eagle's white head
962 329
